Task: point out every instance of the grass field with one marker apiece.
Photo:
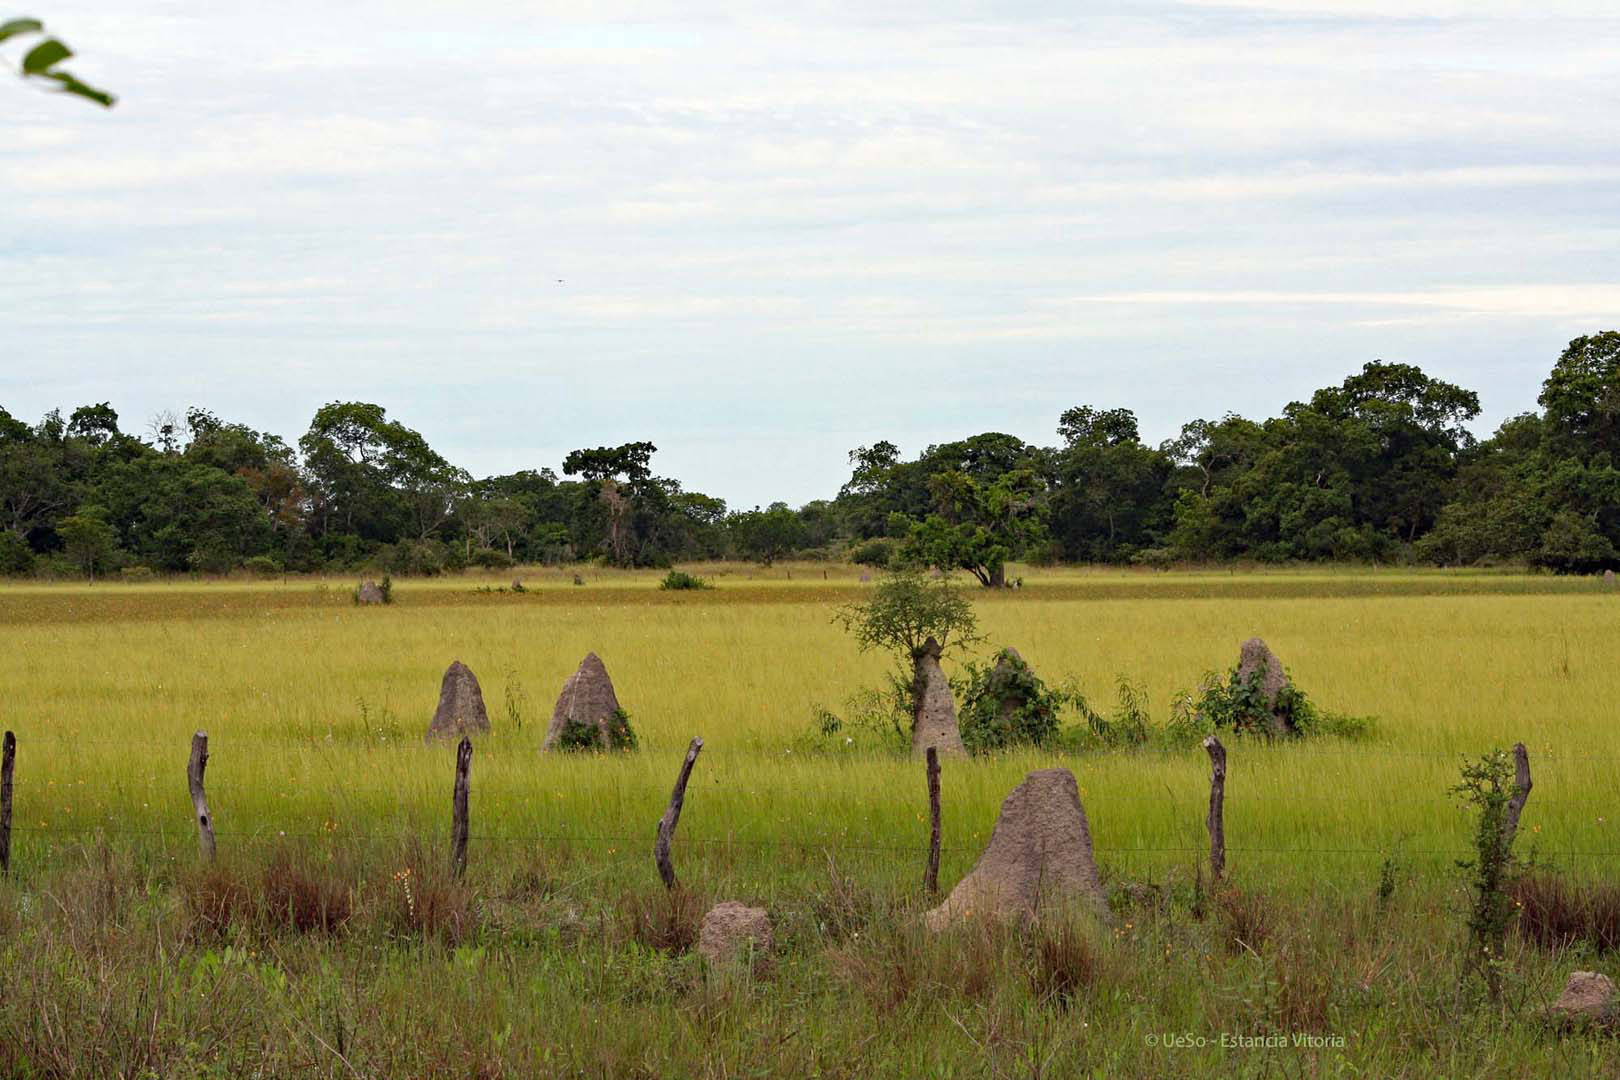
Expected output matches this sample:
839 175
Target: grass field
559 955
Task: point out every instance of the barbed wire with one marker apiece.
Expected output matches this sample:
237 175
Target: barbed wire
185 837
1272 752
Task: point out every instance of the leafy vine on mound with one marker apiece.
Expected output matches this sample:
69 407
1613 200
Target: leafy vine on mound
580 735
1239 703
1030 715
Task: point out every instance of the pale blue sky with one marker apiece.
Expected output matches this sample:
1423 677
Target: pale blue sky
781 236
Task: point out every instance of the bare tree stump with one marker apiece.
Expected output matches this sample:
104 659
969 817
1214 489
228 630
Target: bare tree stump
199 798
672 816
8 760
1217 806
1521 793
931 874
458 823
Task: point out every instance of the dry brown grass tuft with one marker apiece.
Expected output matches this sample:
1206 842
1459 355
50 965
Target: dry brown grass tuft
1245 918
844 908
306 898
1063 964
1304 991
666 920
1556 913
900 959
217 898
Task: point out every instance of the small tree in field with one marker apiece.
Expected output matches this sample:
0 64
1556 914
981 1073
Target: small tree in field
906 609
1496 787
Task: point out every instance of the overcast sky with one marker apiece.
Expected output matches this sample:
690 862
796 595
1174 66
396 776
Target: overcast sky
760 239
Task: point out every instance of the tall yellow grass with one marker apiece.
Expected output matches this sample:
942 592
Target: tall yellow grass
316 710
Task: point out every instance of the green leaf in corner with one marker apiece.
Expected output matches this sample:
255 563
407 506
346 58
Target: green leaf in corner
71 85
42 57
20 26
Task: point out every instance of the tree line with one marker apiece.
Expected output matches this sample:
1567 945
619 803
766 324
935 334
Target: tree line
1381 467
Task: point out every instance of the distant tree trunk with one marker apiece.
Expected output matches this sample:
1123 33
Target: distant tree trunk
618 507
998 576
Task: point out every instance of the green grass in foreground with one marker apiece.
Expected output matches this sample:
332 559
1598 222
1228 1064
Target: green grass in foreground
559 955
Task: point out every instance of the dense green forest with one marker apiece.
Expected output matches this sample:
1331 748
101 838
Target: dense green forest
1381 467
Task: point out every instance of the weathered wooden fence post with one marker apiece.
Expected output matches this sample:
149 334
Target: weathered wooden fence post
931 875
8 761
458 824
672 816
1521 793
199 798
1217 806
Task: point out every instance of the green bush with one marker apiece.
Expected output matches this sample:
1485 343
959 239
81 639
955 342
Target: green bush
680 579
137 573
263 565
1238 704
982 689
578 735
1159 558
490 559
421 558
212 560
878 552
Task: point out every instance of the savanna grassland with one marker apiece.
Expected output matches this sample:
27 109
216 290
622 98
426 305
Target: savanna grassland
329 940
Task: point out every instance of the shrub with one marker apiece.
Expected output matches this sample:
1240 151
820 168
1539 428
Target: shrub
1487 786
620 737
491 559
212 560
423 558
137 573
1159 558
1239 703
1033 719
877 552
680 579
262 565
580 735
